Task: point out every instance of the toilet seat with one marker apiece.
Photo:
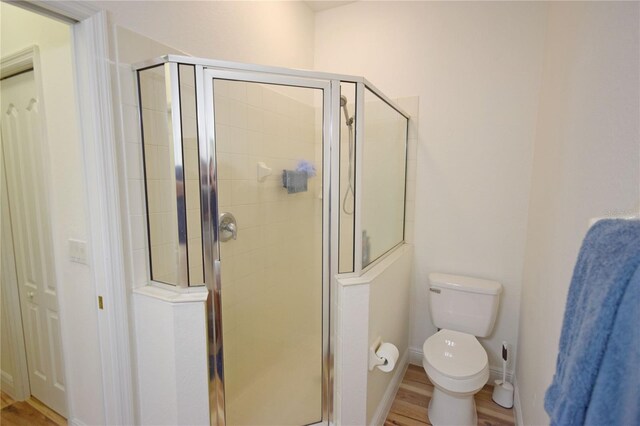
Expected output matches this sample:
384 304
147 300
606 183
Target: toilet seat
455 361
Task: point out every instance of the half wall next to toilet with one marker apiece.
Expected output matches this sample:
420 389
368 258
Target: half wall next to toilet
372 306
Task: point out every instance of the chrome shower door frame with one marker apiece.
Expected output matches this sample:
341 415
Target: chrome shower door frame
205 77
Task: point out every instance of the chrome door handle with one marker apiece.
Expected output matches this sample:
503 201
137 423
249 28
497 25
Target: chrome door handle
228 227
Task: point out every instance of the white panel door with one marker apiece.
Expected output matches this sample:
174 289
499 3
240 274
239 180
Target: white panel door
13 360
22 146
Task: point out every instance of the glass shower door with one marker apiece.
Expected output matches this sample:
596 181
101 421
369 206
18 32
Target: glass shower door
270 342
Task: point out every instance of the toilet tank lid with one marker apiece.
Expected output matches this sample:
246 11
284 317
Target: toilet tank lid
462 283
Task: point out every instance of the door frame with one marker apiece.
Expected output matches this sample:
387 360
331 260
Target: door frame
205 77
90 45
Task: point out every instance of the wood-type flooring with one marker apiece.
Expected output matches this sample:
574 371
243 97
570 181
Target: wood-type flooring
30 412
412 399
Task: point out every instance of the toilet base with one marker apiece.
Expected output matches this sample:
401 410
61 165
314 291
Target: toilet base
448 409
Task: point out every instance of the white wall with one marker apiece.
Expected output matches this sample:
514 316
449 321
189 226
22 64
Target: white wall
267 33
476 68
586 164
21 29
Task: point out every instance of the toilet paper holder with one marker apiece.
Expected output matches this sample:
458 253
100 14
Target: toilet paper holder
376 360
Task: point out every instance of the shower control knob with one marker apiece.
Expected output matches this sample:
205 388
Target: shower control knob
228 227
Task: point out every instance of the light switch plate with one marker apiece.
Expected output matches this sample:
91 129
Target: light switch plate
78 251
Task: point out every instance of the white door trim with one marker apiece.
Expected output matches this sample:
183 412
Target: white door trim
21 61
93 90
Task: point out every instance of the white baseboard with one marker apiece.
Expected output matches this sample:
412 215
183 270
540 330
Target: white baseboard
495 373
76 422
8 384
517 408
389 394
6 377
415 356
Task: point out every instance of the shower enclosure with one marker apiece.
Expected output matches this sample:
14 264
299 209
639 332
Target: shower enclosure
263 184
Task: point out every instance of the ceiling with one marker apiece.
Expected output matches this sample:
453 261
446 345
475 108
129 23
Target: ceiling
318 6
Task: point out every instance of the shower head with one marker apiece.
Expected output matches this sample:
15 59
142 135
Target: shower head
343 105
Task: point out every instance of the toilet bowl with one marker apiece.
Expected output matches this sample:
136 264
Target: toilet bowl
458 367
462 308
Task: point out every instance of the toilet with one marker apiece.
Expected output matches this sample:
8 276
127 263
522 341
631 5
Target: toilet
462 308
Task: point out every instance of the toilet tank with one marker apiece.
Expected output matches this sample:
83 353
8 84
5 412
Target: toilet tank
464 304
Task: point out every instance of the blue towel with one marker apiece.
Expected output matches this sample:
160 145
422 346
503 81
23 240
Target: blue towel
616 394
598 331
